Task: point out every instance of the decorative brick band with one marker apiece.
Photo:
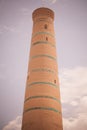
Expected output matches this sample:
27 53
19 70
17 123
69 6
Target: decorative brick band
43 20
43 42
49 83
42 108
43 55
48 97
44 70
38 33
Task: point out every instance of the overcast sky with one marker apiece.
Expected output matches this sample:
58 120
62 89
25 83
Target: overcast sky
71 42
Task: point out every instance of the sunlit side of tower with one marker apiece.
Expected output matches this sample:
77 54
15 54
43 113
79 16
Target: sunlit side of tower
42 105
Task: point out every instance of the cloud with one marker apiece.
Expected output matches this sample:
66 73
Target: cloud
11 29
73 83
79 123
14 125
25 11
50 1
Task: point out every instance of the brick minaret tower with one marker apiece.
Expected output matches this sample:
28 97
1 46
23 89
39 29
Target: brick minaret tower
42 106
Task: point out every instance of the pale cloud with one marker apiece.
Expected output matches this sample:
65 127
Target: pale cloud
25 11
50 1
73 83
11 29
53 1
14 125
79 123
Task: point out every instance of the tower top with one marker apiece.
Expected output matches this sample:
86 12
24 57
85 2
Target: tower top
43 12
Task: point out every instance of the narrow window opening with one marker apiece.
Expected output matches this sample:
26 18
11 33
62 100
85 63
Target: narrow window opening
45 26
55 81
46 38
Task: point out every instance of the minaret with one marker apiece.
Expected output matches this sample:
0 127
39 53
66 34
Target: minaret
42 105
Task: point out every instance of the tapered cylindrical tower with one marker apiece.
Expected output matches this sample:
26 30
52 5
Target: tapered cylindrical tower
42 106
